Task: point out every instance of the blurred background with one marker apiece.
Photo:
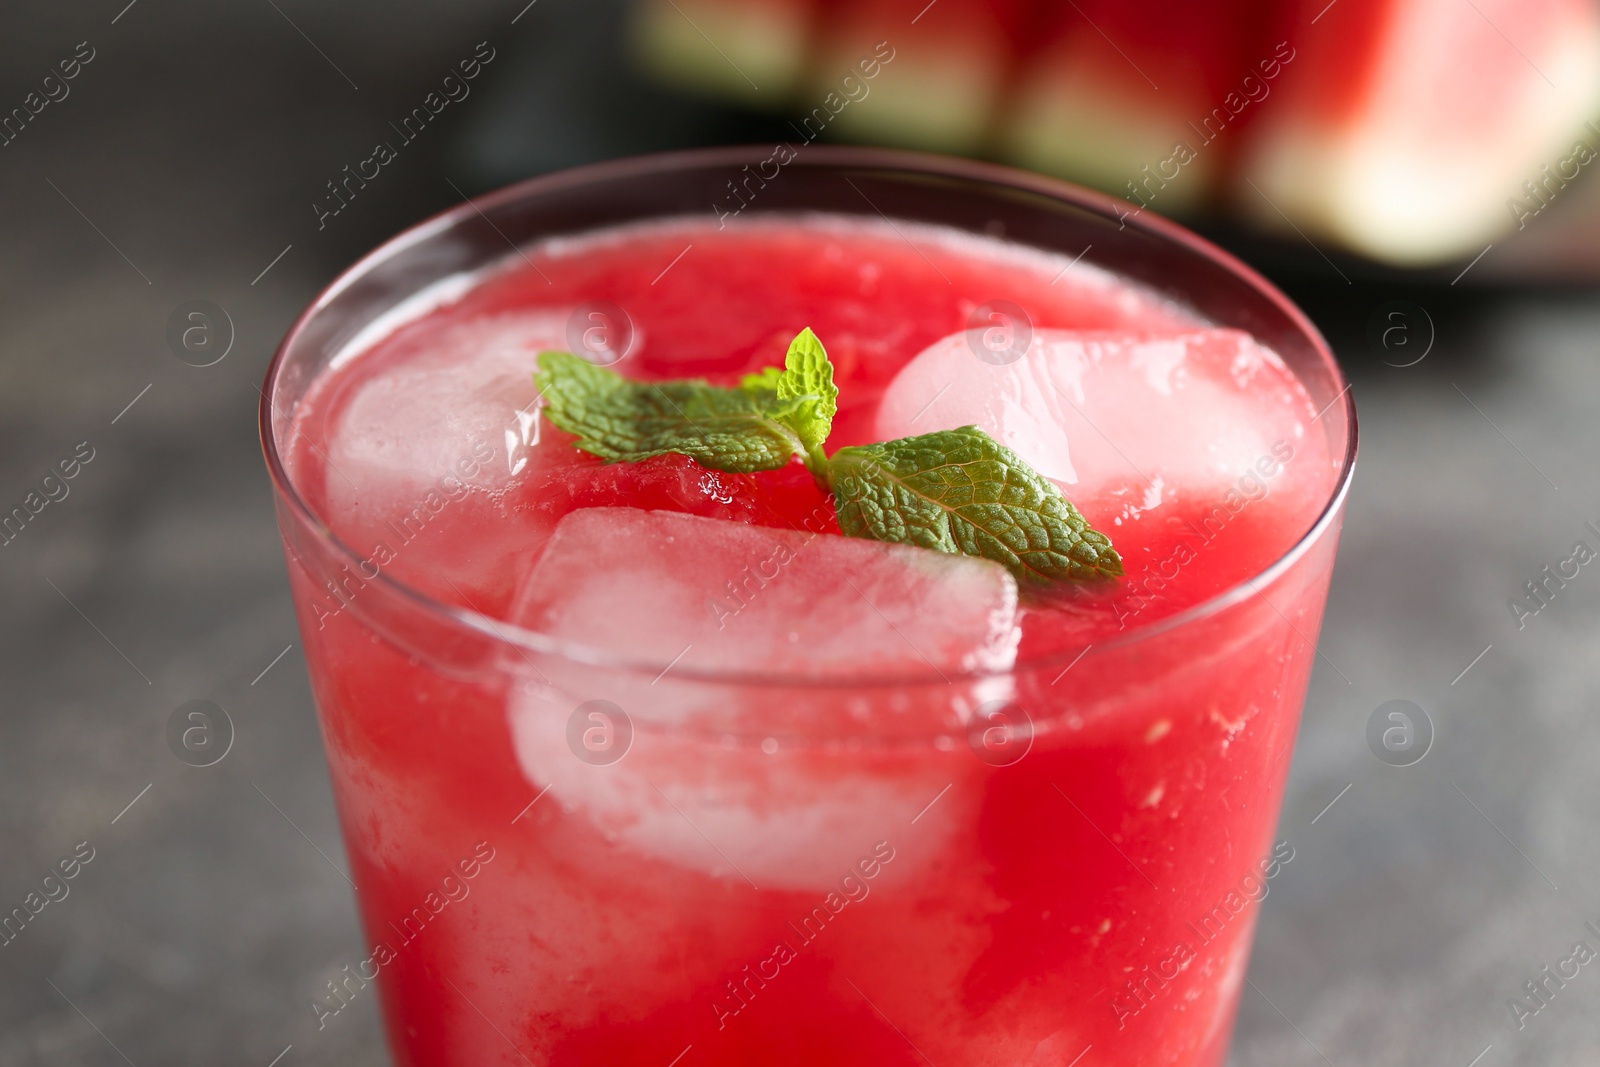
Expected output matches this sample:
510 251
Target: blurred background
1416 173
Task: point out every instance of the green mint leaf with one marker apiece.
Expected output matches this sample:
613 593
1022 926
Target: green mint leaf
961 491
758 426
807 399
618 419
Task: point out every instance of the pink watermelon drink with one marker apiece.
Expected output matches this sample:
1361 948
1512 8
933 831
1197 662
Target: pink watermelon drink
733 694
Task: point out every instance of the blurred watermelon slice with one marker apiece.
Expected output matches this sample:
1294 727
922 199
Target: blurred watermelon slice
751 50
1111 89
1404 126
951 62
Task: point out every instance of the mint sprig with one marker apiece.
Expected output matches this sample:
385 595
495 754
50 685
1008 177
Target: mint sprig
957 491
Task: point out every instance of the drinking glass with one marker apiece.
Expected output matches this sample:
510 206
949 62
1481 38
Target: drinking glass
567 856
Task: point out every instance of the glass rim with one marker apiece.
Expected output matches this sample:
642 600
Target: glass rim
502 632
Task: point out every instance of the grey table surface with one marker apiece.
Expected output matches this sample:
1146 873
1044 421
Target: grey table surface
185 161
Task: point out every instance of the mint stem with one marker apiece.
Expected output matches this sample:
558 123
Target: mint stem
821 469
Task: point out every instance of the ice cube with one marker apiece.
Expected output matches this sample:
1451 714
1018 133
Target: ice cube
450 392
428 439
659 586
1108 414
698 595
